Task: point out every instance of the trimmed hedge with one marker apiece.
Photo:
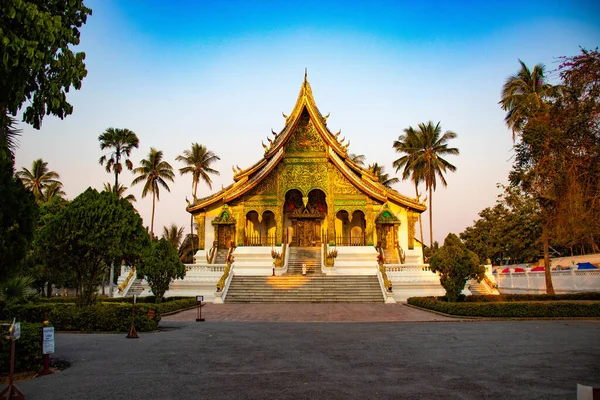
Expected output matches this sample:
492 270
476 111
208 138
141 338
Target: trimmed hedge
28 349
532 297
174 305
114 317
511 309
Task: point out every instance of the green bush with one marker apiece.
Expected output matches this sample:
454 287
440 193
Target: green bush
533 297
114 317
511 309
28 349
175 305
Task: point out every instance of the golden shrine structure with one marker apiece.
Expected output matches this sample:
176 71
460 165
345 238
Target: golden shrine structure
306 191
306 202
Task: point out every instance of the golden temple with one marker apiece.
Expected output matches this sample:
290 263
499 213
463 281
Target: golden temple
306 191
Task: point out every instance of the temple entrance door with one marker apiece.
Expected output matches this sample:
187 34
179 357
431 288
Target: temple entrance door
307 232
225 236
385 236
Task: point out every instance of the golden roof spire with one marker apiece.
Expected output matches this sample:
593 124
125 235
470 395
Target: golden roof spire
305 74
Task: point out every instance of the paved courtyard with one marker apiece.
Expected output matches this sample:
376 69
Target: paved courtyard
328 360
310 312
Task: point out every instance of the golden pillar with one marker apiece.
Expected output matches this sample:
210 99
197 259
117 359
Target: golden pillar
200 220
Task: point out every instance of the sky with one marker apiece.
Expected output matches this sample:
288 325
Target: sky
220 73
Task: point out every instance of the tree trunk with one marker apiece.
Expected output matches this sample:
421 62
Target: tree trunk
152 222
420 220
547 271
116 182
49 289
430 221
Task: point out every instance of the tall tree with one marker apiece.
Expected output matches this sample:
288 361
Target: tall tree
428 162
154 172
159 266
38 177
120 192
53 190
408 144
382 177
198 160
38 65
89 232
173 234
18 213
358 159
121 142
525 98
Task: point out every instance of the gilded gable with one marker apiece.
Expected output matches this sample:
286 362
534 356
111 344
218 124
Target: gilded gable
305 137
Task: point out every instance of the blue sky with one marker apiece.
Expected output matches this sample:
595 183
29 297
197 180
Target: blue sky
221 73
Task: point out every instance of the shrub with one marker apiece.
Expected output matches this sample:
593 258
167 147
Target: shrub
28 349
514 309
115 317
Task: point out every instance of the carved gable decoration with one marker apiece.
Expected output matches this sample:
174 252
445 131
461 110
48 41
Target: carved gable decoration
304 177
386 217
341 184
305 137
225 218
266 186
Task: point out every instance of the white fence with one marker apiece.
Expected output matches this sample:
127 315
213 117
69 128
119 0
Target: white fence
562 281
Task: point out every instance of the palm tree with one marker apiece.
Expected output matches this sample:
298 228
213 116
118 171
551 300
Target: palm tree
525 96
427 161
120 191
53 190
187 249
121 142
408 144
383 178
173 234
198 160
358 159
154 171
9 134
38 177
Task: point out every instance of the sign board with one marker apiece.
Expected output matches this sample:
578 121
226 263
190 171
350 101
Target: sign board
15 330
48 340
151 313
200 298
134 298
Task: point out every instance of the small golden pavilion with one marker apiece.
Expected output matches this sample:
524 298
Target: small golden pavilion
306 191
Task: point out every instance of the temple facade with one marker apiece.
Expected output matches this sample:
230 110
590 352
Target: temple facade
306 191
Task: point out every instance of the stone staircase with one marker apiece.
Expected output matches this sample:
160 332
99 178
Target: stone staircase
391 256
311 256
478 287
136 288
221 256
304 289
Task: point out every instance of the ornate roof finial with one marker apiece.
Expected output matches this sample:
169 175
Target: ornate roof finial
305 73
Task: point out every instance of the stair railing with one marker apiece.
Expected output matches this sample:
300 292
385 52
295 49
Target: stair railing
225 281
212 253
126 285
384 281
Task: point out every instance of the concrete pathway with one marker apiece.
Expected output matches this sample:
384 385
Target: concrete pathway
309 312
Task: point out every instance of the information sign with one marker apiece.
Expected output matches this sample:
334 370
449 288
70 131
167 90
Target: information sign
200 298
16 330
48 340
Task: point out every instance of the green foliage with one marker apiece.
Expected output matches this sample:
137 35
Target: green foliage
18 213
522 309
37 62
508 231
123 141
159 266
154 171
198 161
89 232
18 290
104 317
456 264
39 179
28 349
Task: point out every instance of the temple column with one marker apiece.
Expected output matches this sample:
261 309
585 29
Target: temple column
200 220
279 226
370 217
240 225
